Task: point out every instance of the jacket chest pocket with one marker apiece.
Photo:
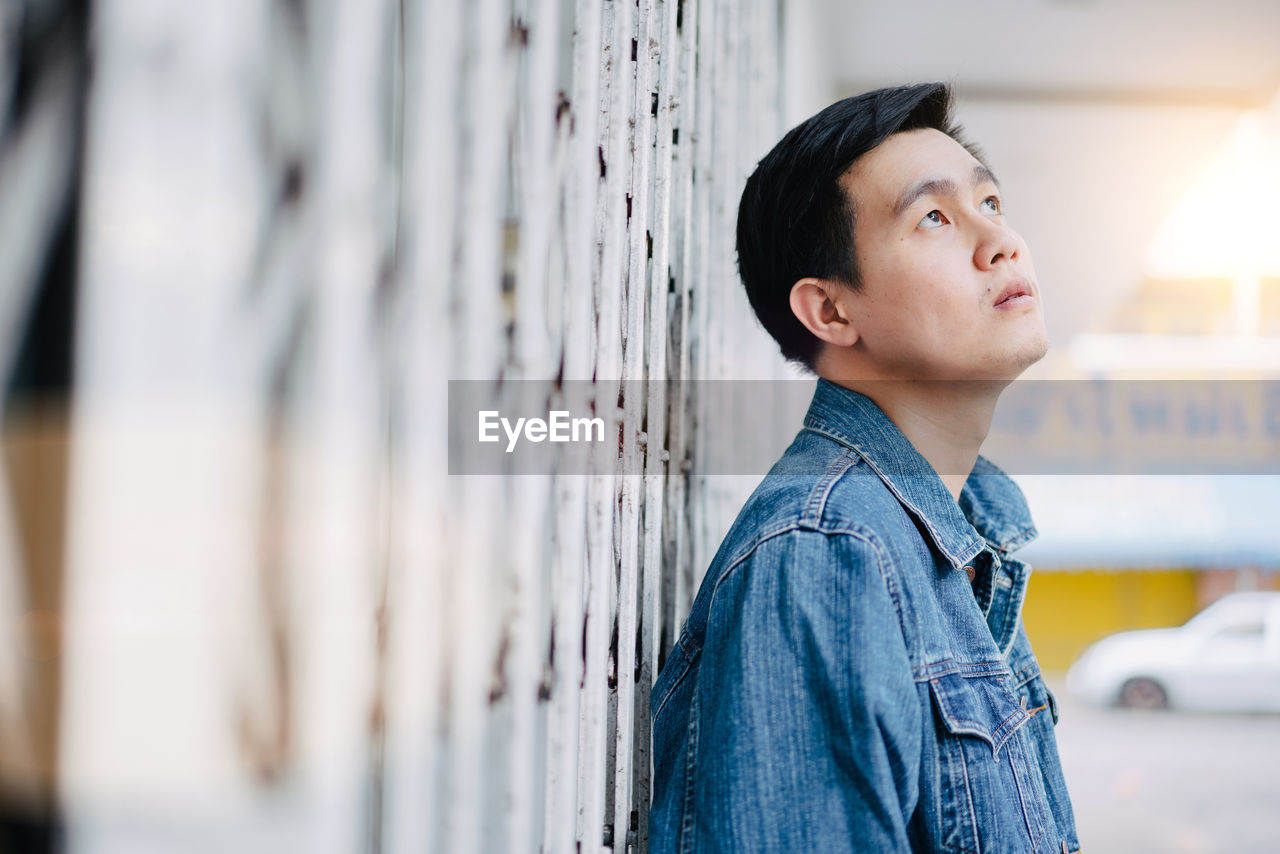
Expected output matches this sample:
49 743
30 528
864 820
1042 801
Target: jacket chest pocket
983 777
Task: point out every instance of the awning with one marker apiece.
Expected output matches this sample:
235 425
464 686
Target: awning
1142 521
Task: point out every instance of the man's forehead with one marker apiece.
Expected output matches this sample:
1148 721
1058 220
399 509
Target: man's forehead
908 159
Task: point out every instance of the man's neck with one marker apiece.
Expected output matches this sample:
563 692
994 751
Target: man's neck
947 422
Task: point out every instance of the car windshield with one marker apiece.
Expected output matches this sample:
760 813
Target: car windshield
1242 615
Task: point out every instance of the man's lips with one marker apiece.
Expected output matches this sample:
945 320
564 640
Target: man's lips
1015 292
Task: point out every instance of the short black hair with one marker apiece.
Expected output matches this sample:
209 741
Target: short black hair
795 220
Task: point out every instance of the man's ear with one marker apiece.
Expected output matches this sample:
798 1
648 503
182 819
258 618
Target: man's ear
822 306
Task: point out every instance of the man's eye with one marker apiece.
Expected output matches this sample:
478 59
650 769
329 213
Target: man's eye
991 205
933 219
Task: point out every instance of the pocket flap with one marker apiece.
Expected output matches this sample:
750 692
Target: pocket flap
979 706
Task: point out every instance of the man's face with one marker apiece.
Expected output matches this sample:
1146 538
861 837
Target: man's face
938 264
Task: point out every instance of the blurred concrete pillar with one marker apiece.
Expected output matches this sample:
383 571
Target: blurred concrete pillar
43 81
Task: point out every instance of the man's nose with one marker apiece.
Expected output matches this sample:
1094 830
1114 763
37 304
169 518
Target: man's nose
996 243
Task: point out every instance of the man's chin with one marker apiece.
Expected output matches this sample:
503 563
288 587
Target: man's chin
1014 364
1028 354
1040 350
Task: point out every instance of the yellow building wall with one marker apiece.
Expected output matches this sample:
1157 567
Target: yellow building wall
1066 611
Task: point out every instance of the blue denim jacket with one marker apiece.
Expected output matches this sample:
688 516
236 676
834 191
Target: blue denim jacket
840 684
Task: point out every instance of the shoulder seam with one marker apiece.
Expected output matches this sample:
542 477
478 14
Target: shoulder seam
853 531
811 517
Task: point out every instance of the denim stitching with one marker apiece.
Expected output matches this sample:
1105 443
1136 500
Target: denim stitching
1032 826
886 576
1026 674
968 798
1009 544
688 667
686 825
854 531
1018 710
954 753
957 560
996 739
760 539
1009 627
821 491
947 666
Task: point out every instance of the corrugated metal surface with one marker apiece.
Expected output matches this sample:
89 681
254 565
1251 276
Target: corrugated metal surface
286 629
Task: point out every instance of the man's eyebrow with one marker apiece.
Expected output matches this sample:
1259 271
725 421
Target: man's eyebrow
939 187
927 187
983 175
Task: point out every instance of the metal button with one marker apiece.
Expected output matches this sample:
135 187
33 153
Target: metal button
969 571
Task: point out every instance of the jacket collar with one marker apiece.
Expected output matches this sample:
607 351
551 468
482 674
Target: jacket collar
991 511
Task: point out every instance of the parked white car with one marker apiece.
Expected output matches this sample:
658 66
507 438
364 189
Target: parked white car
1226 658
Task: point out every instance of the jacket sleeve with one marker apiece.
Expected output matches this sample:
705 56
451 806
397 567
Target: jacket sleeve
808 723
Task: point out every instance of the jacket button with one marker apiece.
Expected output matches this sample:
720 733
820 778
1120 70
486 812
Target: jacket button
970 572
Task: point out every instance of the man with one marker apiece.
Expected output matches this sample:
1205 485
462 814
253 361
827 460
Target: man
854 674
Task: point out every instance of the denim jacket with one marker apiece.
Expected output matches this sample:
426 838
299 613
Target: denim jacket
841 684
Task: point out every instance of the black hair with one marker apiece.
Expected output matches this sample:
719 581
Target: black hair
795 220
